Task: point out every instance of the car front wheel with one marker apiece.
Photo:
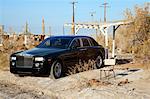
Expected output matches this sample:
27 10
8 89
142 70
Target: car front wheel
56 70
99 62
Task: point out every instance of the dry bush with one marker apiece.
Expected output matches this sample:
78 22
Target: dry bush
81 67
11 45
101 40
4 61
135 37
122 41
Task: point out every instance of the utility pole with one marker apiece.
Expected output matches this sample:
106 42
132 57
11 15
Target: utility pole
43 26
26 28
50 33
104 5
25 34
73 17
92 15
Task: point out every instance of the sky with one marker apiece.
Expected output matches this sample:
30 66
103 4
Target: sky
15 13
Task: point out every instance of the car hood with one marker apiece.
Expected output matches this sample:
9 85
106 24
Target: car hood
40 51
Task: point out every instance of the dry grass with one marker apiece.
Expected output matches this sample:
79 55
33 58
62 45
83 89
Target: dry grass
81 67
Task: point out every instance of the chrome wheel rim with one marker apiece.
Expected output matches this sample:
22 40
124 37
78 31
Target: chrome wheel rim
57 70
99 61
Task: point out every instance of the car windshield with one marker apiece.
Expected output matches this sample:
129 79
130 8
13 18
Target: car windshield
56 42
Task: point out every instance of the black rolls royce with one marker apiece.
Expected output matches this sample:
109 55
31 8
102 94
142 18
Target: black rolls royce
53 55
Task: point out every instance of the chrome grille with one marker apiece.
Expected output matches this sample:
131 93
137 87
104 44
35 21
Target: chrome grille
24 62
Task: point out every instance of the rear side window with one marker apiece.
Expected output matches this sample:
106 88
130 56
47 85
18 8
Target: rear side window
85 42
93 42
76 43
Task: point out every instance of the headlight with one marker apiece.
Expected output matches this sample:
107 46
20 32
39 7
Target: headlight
37 64
13 58
39 59
13 63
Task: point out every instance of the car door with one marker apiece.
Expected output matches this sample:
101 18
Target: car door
93 50
86 49
72 56
97 49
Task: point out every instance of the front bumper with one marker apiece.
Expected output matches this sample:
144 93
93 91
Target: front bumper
28 65
39 71
42 70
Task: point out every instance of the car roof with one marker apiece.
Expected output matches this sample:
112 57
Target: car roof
69 36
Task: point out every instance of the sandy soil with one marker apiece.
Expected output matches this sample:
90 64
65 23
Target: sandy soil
130 81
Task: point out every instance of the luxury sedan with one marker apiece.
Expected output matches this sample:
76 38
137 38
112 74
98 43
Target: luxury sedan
53 55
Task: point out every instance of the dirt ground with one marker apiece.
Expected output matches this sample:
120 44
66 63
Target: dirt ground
130 81
119 82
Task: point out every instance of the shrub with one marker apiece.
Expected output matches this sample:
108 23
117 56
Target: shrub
4 61
137 35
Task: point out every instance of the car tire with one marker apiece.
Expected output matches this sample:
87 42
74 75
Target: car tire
99 62
56 70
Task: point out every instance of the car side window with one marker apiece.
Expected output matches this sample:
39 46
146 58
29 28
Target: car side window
47 43
94 43
85 42
91 42
75 43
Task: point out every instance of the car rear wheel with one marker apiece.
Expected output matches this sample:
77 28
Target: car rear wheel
56 70
99 62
